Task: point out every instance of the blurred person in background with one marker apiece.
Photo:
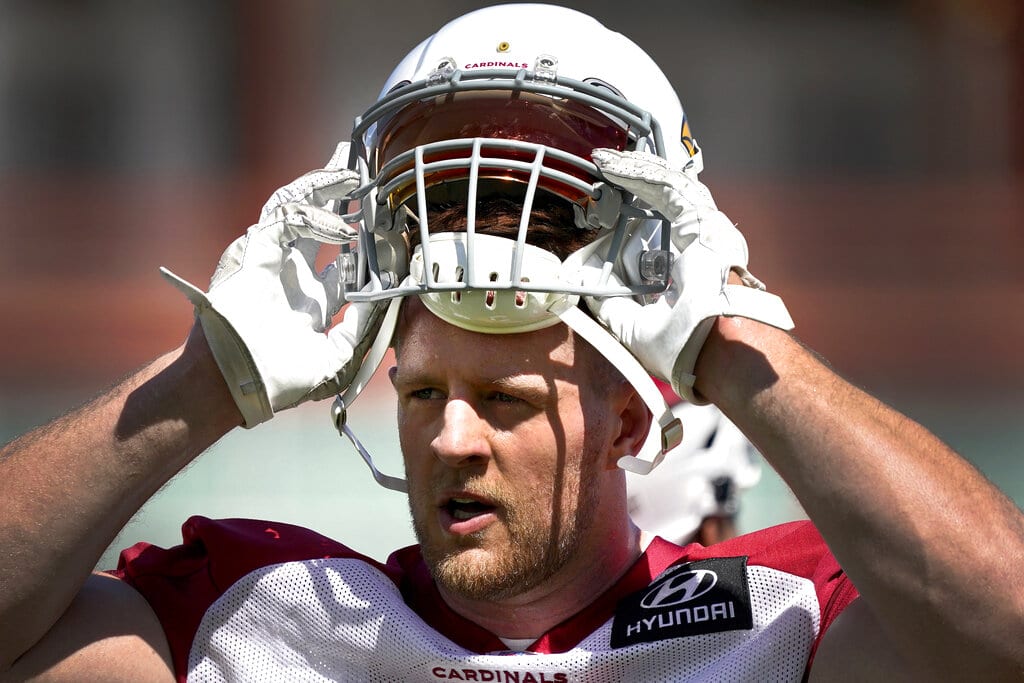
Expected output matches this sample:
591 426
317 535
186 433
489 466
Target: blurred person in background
479 238
696 492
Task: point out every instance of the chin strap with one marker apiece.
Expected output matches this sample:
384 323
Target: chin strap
374 357
339 414
385 480
670 429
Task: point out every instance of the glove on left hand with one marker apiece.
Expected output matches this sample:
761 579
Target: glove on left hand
267 309
667 335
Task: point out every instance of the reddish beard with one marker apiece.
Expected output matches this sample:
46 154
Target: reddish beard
482 565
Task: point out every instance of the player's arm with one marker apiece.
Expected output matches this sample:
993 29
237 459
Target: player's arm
70 486
934 549
263 342
109 633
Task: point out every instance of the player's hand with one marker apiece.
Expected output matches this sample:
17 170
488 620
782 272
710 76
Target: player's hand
667 335
267 313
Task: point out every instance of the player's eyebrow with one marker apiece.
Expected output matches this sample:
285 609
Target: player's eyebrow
519 381
526 383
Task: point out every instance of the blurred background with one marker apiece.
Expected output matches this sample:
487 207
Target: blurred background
872 152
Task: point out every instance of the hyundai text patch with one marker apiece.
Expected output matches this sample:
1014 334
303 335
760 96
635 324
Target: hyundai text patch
689 599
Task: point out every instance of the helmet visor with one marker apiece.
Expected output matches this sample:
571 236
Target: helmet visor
561 124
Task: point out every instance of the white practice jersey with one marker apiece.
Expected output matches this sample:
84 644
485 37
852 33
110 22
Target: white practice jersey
248 600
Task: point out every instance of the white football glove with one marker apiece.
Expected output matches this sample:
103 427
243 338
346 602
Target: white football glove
667 335
267 309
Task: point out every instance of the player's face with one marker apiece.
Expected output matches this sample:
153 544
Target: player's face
505 440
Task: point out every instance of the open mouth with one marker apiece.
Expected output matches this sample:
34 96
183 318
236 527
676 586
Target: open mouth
462 509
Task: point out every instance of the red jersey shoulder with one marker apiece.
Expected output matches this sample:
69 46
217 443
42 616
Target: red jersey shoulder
227 549
795 548
181 582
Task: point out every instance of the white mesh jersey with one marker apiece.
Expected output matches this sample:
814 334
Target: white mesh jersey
248 600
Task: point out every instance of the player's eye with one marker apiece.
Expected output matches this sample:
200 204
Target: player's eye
425 394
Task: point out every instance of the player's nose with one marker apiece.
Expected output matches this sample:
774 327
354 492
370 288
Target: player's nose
462 439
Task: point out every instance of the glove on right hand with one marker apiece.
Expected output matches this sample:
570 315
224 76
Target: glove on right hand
667 335
267 309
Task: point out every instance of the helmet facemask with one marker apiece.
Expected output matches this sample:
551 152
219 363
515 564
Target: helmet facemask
550 131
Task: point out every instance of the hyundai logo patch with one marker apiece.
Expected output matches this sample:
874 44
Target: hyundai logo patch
689 599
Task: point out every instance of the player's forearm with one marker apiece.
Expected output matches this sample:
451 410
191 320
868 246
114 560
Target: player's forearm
933 547
68 487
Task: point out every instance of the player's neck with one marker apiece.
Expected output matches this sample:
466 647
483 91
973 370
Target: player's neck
535 612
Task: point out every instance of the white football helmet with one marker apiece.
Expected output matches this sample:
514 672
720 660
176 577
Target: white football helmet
510 101
704 477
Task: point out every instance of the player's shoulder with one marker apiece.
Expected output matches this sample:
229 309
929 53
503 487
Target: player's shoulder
795 547
229 548
180 583
796 534
109 632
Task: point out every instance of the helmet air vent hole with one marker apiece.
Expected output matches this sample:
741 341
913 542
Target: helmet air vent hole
520 300
503 46
400 84
459 277
491 295
597 82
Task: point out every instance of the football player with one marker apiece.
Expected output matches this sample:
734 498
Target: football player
520 217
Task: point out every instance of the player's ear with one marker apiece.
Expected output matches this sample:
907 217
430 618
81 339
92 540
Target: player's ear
634 422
